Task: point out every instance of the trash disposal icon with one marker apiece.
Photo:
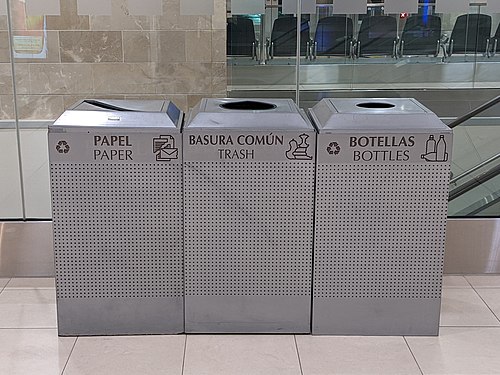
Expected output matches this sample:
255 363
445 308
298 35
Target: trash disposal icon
298 151
435 151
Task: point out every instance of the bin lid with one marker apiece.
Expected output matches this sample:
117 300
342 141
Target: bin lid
375 115
99 113
248 114
120 105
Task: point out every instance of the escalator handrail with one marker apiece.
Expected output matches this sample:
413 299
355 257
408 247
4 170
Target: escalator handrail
475 112
477 167
475 182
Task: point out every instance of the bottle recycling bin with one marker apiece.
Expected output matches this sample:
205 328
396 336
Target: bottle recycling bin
116 171
381 207
249 205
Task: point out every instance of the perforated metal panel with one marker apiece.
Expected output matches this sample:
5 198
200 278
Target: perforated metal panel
249 228
380 231
380 225
248 246
118 230
118 218
118 242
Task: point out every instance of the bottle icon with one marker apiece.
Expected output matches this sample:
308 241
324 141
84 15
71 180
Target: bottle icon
430 145
441 154
435 151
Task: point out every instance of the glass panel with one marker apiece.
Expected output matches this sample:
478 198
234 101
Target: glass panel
474 142
482 200
475 183
332 41
261 50
62 59
10 186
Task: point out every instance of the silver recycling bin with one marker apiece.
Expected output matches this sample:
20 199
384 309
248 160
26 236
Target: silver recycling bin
383 167
116 171
249 206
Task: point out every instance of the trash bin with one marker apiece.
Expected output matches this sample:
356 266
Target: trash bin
383 167
249 206
116 174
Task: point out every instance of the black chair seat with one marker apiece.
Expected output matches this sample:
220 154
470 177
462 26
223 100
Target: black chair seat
240 36
284 36
333 36
421 35
377 36
470 34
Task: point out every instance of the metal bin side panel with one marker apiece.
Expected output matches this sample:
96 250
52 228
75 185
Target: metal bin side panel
379 237
249 238
118 232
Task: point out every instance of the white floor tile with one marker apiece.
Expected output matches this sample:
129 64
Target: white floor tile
27 308
355 355
455 282
492 298
31 283
463 307
484 281
33 351
458 350
241 354
129 355
3 282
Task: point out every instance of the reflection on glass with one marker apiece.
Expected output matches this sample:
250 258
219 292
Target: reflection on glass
372 50
30 35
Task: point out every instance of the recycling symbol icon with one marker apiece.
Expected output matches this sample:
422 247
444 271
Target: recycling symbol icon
62 147
333 148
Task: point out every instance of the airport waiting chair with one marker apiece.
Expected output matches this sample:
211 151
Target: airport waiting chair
421 36
494 42
377 37
334 37
241 39
470 34
283 40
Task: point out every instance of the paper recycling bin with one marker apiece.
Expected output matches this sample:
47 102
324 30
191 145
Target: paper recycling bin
116 171
381 207
249 206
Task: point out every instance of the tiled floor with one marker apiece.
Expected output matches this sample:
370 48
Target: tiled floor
469 342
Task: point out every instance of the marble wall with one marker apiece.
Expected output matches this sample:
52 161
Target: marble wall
182 58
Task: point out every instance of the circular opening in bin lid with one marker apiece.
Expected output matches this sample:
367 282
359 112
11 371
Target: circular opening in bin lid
248 105
375 105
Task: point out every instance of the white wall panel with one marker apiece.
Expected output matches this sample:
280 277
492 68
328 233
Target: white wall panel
3 7
94 7
145 7
452 6
349 6
307 7
492 7
43 8
248 6
400 6
197 7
